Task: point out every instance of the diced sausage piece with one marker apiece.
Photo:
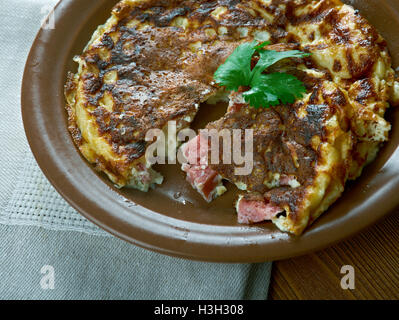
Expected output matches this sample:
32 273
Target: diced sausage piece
254 211
205 180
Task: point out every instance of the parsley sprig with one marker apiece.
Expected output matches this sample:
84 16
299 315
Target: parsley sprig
265 89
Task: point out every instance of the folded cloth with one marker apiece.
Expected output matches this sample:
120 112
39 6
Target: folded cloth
41 233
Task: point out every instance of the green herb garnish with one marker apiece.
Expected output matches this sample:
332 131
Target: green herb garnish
265 89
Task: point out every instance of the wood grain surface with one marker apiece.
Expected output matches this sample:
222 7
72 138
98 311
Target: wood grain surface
374 254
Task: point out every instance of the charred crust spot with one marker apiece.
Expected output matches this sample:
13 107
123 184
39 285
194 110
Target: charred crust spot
287 197
91 84
102 118
167 18
341 34
336 98
204 10
130 72
364 67
324 12
136 150
72 127
70 84
94 59
339 99
162 17
314 96
365 91
312 125
337 66
316 114
107 41
76 135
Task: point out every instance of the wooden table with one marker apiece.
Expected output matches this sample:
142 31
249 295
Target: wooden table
374 254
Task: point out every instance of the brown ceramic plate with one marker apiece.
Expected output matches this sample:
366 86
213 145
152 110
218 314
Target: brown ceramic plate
173 219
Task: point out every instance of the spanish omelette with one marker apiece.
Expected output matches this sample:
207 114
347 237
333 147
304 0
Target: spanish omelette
153 61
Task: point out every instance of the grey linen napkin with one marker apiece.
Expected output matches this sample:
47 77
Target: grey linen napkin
42 236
